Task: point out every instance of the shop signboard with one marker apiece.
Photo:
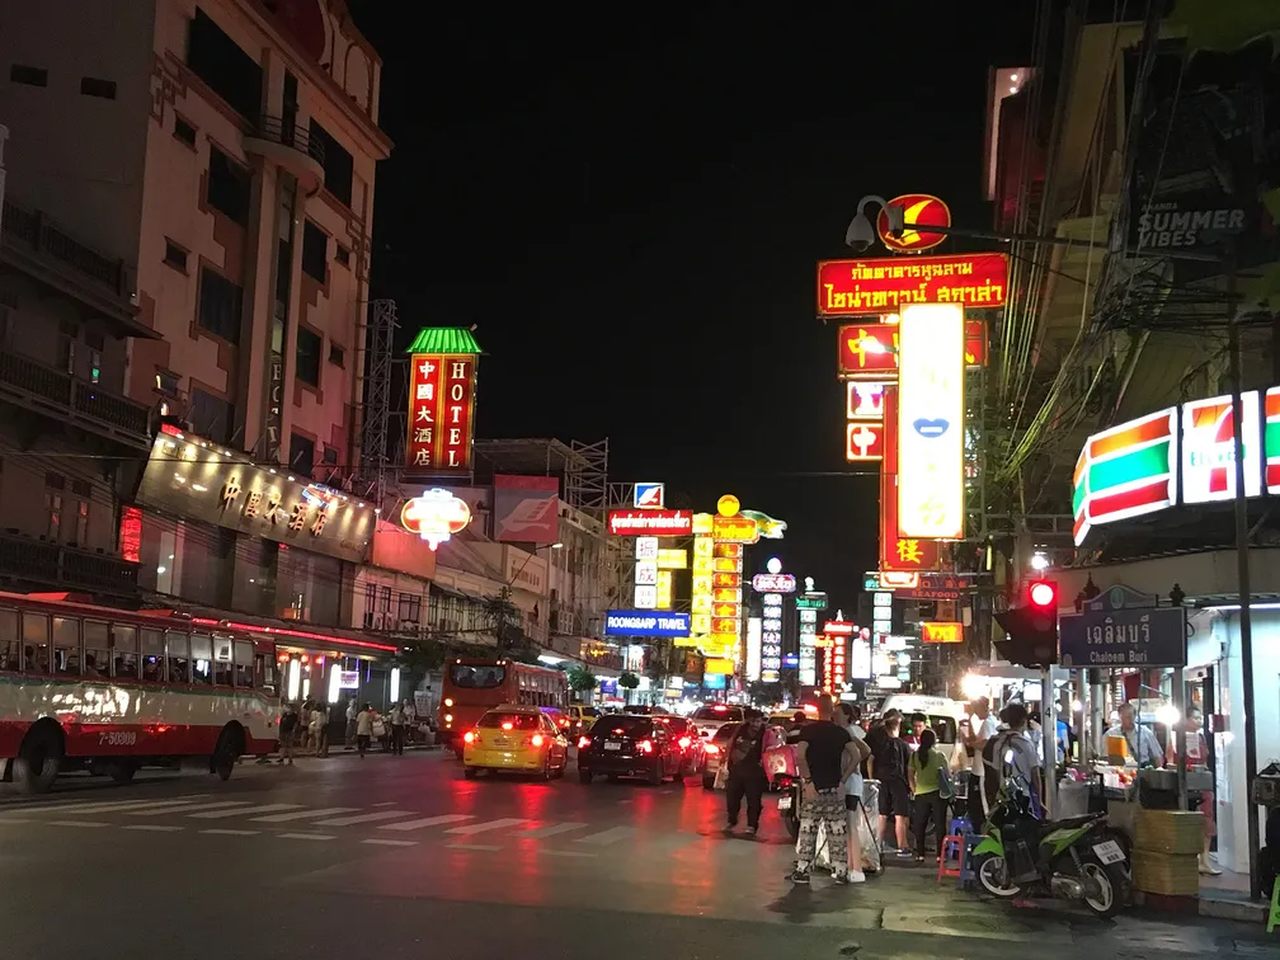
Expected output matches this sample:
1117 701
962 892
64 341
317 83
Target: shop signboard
942 631
864 400
670 558
884 285
526 509
919 211
650 496
442 390
1131 637
735 529
864 442
1208 449
755 639
645 623
867 351
1126 471
898 554
653 523
774 583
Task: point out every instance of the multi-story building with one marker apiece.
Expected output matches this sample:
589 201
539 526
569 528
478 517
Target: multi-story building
214 162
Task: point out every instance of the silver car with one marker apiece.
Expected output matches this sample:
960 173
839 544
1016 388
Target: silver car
716 748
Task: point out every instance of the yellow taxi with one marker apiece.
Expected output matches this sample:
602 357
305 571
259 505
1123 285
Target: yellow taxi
514 737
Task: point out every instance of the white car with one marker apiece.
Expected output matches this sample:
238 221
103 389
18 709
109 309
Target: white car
711 718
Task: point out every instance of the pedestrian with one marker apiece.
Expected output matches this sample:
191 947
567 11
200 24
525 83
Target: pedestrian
926 769
853 791
352 710
364 729
889 766
1202 800
918 722
825 756
980 728
320 720
744 755
288 730
1143 746
1010 756
410 721
314 726
396 715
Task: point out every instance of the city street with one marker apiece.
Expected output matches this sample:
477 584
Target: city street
402 857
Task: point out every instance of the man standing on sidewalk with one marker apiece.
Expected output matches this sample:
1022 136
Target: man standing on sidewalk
352 710
288 730
825 756
397 729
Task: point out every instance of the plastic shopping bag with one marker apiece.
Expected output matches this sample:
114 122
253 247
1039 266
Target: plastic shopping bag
867 841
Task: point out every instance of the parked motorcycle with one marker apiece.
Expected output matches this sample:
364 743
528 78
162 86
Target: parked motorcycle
789 789
1072 859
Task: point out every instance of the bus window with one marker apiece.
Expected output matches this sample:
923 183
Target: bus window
222 669
201 658
126 650
10 648
66 646
244 663
35 642
97 649
152 654
477 676
179 657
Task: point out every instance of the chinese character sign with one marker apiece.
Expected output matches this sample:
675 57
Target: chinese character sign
441 413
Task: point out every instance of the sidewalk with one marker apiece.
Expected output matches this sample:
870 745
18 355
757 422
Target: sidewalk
336 752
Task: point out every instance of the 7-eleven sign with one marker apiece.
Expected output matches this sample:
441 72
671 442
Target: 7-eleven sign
1208 449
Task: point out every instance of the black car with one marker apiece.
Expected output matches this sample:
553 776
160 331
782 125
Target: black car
630 746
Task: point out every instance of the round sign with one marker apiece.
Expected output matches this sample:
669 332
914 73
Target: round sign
774 565
728 505
435 516
917 208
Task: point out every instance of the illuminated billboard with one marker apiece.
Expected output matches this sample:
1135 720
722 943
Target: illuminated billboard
942 632
919 211
930 435
898 553
1126 471
650 523
867 350
850 288
442 390
1208 449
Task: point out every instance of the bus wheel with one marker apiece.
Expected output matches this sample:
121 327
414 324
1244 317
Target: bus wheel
226 753
39 758
123 771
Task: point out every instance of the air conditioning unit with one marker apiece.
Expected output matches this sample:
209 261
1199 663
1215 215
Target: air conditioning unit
409 625
378 620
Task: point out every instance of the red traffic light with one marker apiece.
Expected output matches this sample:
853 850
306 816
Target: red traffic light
1043 594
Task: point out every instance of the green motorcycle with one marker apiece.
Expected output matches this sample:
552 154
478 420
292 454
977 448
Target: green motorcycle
1075 859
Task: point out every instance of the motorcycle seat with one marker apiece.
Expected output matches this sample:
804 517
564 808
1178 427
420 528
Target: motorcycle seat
1070 823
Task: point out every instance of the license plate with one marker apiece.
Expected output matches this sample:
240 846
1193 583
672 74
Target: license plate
501 742
612 746
1109 852
784 803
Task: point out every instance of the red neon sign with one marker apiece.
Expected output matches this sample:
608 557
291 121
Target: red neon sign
651 523
850 288
442 390
922 209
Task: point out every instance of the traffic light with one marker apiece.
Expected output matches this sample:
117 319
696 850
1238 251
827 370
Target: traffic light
1032 626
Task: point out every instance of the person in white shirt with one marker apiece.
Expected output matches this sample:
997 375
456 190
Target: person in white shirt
396 715
1143 746
982 727
364 728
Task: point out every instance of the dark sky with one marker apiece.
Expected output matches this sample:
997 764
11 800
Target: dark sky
631 208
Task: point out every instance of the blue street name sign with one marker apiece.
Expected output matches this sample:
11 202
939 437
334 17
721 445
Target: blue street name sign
645 623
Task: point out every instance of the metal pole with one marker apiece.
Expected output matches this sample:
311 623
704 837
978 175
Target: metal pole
1180 739
1242 572
1048 741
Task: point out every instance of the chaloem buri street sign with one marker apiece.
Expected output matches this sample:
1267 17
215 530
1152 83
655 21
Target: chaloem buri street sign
1136 637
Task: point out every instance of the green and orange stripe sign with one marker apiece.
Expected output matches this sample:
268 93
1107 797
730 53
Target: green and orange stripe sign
1129 470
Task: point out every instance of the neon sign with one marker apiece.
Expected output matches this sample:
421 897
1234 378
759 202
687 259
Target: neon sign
435 516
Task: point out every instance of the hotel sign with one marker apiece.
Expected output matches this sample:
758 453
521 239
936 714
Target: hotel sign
442 389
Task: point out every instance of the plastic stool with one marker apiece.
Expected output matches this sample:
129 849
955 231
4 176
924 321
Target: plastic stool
967 874
960 827
1273 918
951 844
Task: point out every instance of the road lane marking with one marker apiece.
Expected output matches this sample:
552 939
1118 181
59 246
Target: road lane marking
427 822
537 833
473 828
386 803
488 848
153 827
240 811
612 835
303 814
231 833
365 818
4 820
76 823
306 836
567 853
185 808
381 842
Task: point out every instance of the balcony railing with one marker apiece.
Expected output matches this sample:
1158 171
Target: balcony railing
63 396
33 232
291 134
35 561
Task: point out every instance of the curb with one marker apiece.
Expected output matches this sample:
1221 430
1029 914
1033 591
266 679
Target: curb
1218 907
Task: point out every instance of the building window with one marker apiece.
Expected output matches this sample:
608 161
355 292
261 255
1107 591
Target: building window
174 255
55 481
31 76
330 456
53 508
211 416
315 249
337 356
220 302
228 188
183 131
218 60
82 523
339 169
343 255
302 454
309 346
167 383
410 608
94 87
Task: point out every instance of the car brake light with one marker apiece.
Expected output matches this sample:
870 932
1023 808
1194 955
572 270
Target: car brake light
448 701
469 737
508 725
685 743
645 746
584 742
711 748
719 708
564 723
536 740
448 718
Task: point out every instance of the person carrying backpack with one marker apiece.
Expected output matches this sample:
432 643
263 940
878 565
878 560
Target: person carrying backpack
1010 754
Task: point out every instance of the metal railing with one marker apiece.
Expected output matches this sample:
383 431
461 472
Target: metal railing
71 395
291 134
43 237
40 561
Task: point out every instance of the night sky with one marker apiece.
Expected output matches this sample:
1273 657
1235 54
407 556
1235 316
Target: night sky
631 213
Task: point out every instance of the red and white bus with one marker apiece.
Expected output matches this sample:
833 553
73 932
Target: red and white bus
83 686
473 686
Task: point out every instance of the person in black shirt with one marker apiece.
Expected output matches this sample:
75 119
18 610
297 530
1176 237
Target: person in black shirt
746 772
288 730
889 766
825 755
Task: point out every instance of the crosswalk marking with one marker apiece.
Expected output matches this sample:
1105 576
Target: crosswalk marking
153 827
426 822
305 836
537 833
77 806
473 828
489 848
567 853
120 806
383 842
184 807
365 818
303 814
231 833
241 811
76 823
612 835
